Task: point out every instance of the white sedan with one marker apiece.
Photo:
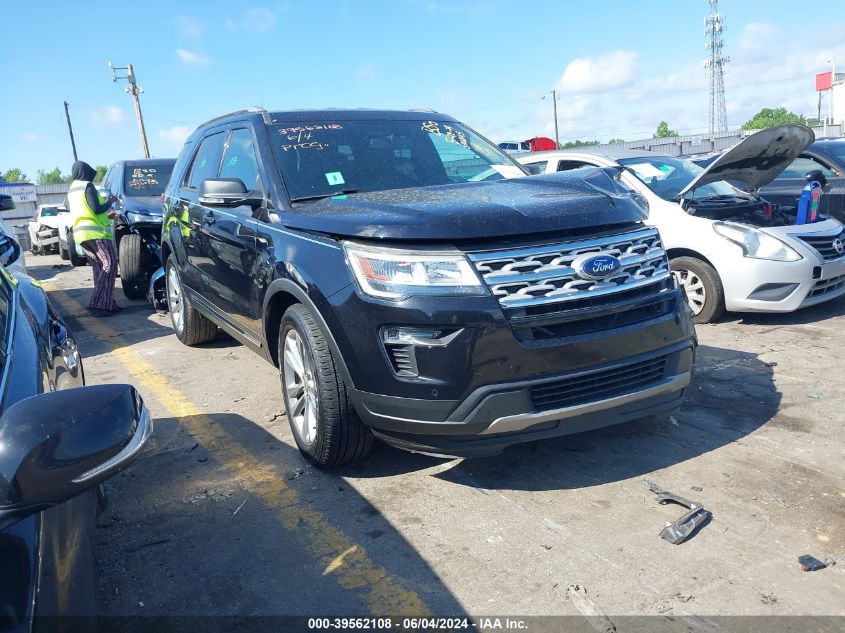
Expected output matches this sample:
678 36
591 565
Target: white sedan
729 248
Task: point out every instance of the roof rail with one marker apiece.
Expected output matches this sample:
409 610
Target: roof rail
247 110
422 110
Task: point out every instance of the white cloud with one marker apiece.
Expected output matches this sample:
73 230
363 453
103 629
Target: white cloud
255 19
611 70
190 58
190 28
107 116
365 71
174 137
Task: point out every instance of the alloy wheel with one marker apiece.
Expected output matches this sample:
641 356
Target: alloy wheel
174 299
300 387
694 287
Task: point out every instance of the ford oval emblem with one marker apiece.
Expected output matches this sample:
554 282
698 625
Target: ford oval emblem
595 266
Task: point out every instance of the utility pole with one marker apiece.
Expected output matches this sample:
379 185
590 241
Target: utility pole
70 129
554 103
134 90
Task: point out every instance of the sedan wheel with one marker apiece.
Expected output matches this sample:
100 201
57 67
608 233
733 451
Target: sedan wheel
301 388
696 292
174 300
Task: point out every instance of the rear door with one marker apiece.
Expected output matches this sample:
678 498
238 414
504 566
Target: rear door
204 164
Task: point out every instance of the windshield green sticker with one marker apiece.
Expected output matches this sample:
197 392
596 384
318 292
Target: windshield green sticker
335 178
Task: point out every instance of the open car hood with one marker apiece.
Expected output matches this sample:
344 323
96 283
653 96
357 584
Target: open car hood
756 159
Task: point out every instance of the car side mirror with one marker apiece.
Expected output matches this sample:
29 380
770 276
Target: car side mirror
227 193
816 175
56 445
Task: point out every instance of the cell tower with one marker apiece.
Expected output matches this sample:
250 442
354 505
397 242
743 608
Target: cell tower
714 24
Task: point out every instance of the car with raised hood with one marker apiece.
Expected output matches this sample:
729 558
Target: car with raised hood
408 287
44 229
138 186
59 440
730 248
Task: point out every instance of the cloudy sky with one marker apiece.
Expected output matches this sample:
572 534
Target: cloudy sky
619 66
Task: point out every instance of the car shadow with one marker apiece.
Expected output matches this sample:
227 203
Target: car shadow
732 394
198 526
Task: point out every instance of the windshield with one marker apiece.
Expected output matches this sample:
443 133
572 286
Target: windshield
51 212
146 180
667 177
333 158
837 148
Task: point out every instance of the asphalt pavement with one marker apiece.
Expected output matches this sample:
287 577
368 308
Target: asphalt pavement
221 515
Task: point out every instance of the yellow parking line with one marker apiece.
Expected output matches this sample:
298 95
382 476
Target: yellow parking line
337 554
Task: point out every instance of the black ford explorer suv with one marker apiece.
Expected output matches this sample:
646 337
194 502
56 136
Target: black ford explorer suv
409 288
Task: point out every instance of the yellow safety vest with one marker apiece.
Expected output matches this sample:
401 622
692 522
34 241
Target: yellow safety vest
87 225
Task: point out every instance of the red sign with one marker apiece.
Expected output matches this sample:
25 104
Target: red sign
824 81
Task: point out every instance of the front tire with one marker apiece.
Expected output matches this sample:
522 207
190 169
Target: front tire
703 287
191 327
75 258
63 252
133 275
325 426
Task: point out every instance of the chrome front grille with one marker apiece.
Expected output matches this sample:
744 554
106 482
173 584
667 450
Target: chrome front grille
826 244
542 275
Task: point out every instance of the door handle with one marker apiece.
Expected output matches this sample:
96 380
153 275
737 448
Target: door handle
208 217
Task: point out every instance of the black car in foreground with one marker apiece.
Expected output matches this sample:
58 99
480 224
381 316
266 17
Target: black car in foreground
58 442
408 288
137 185
825 156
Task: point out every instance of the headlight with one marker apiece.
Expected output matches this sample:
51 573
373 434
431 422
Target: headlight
142 217
396 274
755 243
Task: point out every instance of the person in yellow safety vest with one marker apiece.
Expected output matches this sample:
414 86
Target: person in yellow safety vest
91 225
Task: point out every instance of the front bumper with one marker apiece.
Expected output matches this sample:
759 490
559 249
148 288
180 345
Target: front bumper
47 237
496 416
757 285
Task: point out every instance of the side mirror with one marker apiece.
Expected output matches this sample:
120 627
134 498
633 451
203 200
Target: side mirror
56 445
816 175
227 192
10 250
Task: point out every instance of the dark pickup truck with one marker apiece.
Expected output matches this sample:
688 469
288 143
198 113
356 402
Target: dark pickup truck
409 288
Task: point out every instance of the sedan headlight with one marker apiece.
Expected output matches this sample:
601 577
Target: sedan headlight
756 244
142 217
396 274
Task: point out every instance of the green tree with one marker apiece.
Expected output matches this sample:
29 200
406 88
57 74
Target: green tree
770 117
664 131
14 175
578 143
101 173
616 141
53 177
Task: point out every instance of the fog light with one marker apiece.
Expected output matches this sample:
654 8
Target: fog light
401 344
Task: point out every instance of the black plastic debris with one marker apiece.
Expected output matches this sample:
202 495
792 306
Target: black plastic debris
810 563
683 528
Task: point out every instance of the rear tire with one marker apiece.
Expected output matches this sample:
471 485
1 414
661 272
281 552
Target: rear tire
191 327
75 259
704 290
325 426
133 275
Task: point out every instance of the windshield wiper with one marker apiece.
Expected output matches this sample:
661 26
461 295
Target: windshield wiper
321 196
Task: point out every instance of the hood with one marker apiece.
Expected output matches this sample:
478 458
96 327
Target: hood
52 221
148 205
519 206
82 171
756 159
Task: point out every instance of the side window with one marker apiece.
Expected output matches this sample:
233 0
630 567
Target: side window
801 165
239 159
566 165
536 168
526 146
108 178
207 160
